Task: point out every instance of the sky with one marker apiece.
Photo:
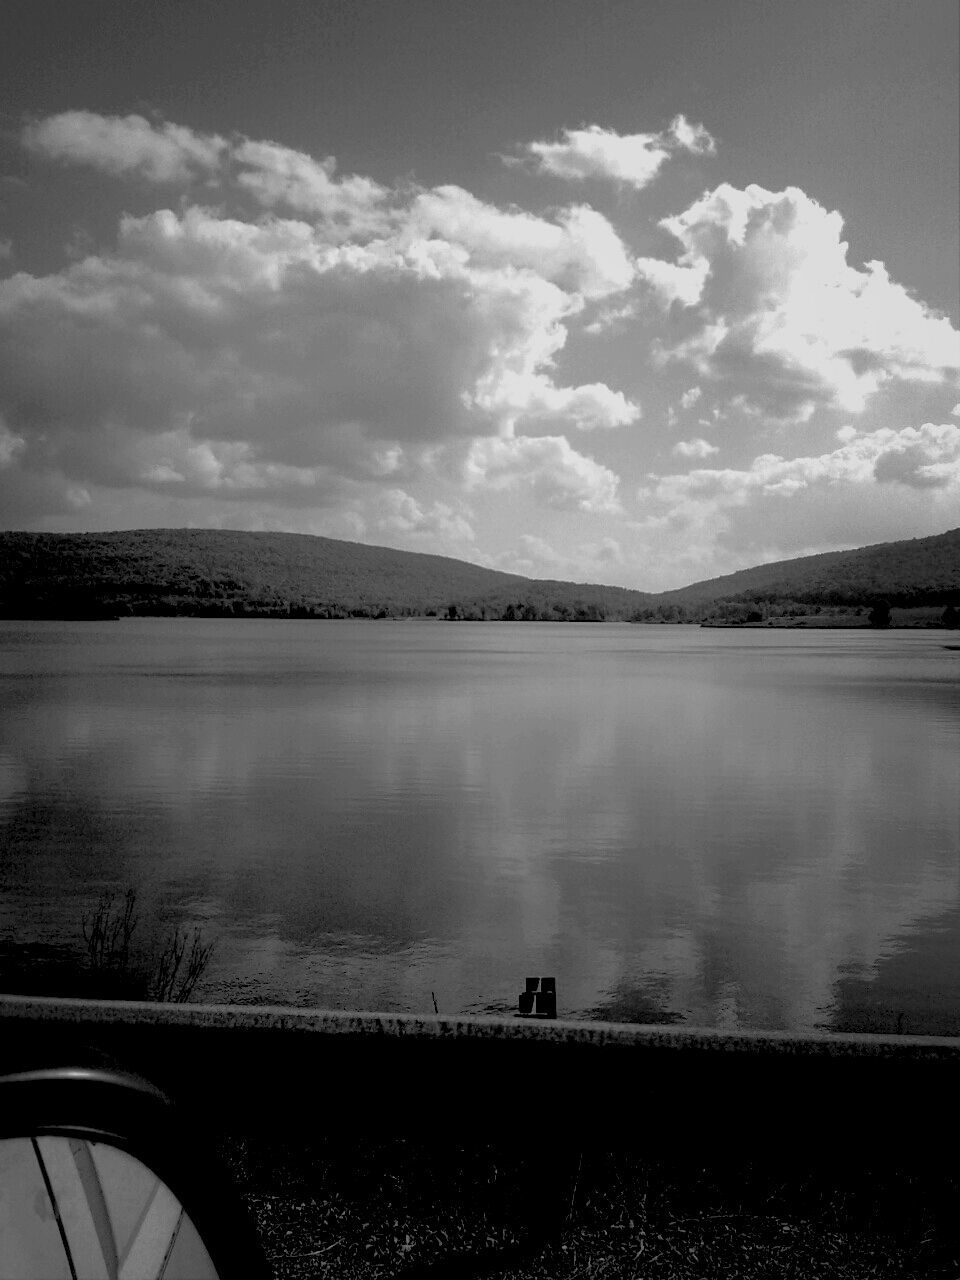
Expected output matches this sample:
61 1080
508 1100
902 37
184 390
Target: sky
636 293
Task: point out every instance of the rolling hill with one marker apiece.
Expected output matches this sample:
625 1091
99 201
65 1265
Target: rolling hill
216 573
911 573
204 572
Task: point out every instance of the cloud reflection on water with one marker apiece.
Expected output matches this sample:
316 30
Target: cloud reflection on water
720 827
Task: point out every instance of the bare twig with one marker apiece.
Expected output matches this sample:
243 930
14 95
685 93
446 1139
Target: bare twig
108 937
178 969
576 1183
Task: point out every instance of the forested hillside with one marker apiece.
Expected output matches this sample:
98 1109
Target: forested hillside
913 574
211 573
216 573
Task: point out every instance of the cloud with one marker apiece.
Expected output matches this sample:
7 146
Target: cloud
696 448
611 318
633 160
296 358
534 557
876 486
321 351
533 397
262 331
669 283
399 513
548 467
691 137
10 445
771 309
924 457
125 144
276 175
580 251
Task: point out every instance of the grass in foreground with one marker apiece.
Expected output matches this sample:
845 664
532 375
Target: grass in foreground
406 1209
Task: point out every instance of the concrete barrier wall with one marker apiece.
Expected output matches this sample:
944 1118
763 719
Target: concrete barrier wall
248 1068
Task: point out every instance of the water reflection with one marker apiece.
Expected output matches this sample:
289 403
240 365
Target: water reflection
723 827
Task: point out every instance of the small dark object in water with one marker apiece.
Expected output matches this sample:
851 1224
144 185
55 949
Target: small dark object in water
543 991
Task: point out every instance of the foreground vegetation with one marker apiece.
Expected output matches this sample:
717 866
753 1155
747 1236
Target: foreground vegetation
370 1210
112 958
215 573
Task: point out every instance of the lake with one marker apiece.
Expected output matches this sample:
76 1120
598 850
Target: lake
726 828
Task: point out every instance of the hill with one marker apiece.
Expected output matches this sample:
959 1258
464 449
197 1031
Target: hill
216 573
911 574
209 573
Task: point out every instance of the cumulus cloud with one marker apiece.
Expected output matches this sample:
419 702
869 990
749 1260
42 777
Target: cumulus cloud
399 513
276 175
295 358
535 557
876 486
125 144
10 444
534 397
547 466
321 351
926 457
771 308
580 251
697 448
263 331
691 137
669 283
161 152
921 457
633 160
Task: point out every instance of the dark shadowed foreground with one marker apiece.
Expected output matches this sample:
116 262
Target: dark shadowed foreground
365 1145
417 1208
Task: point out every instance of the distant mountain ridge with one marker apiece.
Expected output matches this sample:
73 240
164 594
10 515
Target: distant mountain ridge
211 573
914 571
223 572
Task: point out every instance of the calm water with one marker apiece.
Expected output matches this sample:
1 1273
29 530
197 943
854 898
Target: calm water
732 828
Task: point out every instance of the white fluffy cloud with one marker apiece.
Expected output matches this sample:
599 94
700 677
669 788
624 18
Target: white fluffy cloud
278 176
771 309
696 448
125 144
294 357
318 350
633 160
548 467
921 457
580 251
399 513
535 557
874 486
10 444
533 397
